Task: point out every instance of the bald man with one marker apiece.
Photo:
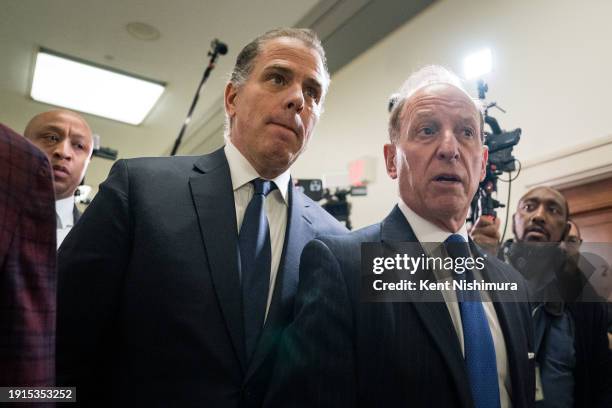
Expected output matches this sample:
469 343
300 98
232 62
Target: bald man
66 139
570 335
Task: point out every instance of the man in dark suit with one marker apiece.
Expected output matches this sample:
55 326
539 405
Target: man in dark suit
451 350
27 264
66 139
178 280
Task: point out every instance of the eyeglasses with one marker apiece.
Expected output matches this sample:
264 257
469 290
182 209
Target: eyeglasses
574 239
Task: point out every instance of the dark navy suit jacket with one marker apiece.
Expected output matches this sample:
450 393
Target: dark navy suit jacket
149 303
342 352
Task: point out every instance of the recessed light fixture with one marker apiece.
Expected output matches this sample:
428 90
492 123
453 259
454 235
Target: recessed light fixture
142 31
87 87
477 64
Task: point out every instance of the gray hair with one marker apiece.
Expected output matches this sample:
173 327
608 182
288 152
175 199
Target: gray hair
247 56
428 75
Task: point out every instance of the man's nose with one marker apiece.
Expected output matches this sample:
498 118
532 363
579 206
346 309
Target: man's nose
539 215
448 149
63 150
295 98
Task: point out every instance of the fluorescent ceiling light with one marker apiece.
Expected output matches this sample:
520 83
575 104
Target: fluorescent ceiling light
88 88
477 64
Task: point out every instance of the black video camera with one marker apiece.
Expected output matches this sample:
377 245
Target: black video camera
500 144
335 203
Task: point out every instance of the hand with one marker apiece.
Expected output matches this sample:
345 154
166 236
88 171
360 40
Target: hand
485 232
572 249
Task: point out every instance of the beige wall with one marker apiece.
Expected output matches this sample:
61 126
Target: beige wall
551 74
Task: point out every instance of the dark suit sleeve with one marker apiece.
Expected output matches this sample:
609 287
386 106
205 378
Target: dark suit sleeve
316 361
91 264
602 358
27 264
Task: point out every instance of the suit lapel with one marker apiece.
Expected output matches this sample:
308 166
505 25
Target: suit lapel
213 197
434 315
297 234
76 214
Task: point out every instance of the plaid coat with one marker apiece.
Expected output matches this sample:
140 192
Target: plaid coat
27 264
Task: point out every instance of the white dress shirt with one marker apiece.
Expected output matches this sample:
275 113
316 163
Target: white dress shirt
427 232
276 205
65 217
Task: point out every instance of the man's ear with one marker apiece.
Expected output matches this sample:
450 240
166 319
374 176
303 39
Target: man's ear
485 159
390 152
514 226
230 99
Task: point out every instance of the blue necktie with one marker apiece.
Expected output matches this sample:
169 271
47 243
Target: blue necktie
477 339
255 261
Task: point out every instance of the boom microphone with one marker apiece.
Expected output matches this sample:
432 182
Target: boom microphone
218 47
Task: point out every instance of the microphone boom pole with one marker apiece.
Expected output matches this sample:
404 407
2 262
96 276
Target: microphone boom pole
217 47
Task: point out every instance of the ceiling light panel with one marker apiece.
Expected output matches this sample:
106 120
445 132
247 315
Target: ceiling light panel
89 88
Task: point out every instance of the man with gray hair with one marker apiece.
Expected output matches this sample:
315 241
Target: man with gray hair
177 282
378 338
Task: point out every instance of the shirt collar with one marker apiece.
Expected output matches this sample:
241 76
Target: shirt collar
425 230
64 209
242 172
